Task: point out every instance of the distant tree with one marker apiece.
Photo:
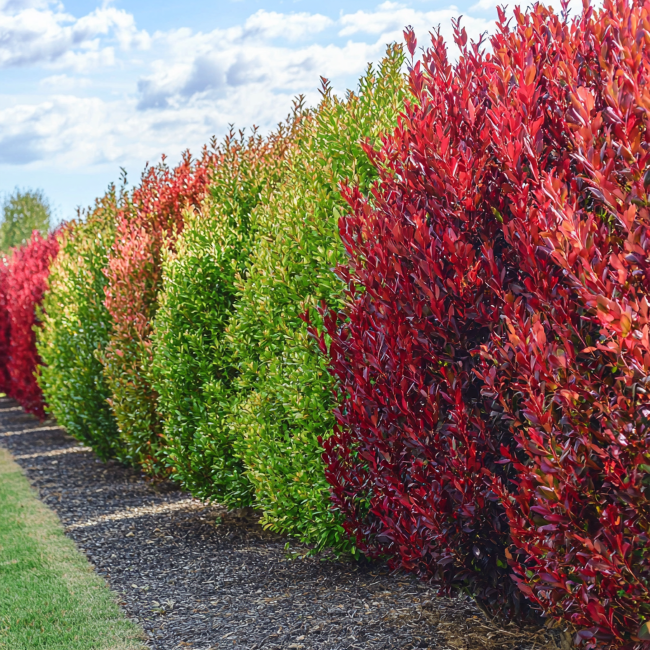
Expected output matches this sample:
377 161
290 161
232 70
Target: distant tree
23 211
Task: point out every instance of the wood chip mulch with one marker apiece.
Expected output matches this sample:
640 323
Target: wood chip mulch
196 576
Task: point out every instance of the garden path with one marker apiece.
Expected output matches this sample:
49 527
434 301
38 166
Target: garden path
195 576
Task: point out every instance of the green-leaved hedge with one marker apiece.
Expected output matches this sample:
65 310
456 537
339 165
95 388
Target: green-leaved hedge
192 366
75 326
284 385
242 391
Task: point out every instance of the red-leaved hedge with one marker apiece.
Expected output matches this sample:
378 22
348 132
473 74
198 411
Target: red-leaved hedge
4 328
147 226
572 372
24 281
493 356
413 460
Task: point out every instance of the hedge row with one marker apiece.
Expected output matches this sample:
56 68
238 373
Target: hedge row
493 355
148 222
410 323
283 391
193 367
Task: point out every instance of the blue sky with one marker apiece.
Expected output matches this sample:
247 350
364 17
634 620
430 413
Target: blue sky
90 87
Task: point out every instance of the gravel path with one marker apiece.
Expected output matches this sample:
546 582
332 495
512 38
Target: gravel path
199 577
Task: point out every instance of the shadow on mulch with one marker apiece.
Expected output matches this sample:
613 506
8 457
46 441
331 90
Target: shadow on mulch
199 577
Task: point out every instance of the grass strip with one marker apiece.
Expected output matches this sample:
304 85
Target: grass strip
50 598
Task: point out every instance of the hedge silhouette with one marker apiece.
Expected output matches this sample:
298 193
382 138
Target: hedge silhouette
25 282
147 225
286 388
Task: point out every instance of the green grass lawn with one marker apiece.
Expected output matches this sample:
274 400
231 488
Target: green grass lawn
50 599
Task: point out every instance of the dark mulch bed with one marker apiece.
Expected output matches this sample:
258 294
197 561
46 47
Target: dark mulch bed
197 576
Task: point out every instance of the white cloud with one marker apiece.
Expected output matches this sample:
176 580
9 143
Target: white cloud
63 83
210 66
15 6
67 132
185 86
575 6
35 34
270 24
390 18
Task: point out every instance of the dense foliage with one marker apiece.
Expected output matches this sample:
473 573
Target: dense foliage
23 211
468 246
76 328
192 361
5 332
147 225
493 352
571 374
412 463
285 387
25 281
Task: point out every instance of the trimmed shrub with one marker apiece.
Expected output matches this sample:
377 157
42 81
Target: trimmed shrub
149 224
192 360
26 280
76 327
284 385
571 374
493 354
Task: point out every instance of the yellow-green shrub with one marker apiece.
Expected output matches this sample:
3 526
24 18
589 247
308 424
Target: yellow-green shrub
285 389
149 220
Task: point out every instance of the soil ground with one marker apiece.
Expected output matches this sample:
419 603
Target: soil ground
195 576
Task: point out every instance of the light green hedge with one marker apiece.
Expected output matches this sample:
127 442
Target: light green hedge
75 326
283 382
